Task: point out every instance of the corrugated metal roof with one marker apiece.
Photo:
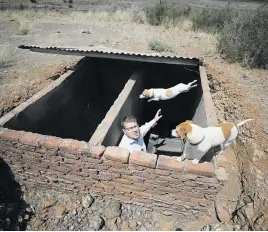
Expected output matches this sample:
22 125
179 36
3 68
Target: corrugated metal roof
111 53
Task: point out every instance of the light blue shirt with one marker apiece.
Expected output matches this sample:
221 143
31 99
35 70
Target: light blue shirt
137 145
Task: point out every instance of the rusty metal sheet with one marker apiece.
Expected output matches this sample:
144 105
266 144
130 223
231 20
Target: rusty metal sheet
110 53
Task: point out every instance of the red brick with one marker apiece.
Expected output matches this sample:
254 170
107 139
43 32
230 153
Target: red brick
122 198
29 138
61 169
95 189
50 142
72 161
203 169
143 159
108 176
46 151
11 135
170 163
70 145
84 174
116 154
134 167
104 185
92 151
132 187
141 194
141 200
133 178
166 189
122 189
122 171
162 172
166 199
114 164
90 171
123 181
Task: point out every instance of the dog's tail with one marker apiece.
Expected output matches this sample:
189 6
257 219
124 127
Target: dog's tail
243 122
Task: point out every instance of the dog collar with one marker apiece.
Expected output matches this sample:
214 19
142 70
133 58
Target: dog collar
195 144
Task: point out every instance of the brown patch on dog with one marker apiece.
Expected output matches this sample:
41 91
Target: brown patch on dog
146 93
226 128
183 129
169 93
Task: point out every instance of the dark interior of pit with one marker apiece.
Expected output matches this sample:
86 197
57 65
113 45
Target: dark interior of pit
77 106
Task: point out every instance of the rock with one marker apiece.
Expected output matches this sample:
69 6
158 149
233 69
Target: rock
49 203
111 224
221 174
124 226
37 223
132 224
86 32
95 223
87 201
222 213
143 229
60 211
112 209
71 206
166 227
248 211
265 129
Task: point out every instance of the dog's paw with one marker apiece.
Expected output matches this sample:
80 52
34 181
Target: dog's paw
179 159
195 161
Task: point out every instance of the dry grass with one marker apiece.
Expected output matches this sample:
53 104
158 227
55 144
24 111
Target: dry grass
73 17
5 55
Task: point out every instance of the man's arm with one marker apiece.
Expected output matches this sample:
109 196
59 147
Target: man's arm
147 126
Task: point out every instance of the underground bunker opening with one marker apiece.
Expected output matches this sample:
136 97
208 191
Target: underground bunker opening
75 107
185 106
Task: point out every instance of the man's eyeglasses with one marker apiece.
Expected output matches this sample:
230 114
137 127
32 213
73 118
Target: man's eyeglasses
131 128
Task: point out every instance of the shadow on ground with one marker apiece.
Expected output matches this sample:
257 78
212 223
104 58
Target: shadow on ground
14 212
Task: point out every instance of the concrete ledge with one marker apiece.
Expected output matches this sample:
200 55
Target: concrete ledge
116 154
208 102
35 97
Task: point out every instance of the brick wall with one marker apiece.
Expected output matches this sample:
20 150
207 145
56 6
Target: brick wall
157 182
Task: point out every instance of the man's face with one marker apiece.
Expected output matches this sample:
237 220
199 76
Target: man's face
131 130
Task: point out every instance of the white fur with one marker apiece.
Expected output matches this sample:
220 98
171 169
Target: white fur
208 137
160 94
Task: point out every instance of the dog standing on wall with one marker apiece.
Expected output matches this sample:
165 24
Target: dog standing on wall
205 138
166 94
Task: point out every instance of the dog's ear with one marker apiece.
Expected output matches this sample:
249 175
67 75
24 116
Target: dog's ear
183 129
146 93
189 121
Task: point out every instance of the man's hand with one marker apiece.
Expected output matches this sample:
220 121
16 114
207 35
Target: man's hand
158 116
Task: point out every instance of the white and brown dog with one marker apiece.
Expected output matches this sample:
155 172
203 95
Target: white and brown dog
166 94
205 138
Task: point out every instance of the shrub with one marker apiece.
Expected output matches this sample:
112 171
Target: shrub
245 38
165 13
158 46
211 20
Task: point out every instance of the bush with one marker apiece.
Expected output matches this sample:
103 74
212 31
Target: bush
211 20
245 38
158 46
164 13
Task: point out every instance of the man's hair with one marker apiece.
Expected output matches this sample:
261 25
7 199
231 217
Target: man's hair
127 119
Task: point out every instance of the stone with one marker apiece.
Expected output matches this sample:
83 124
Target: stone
60 211
37 223
87 201
111 224
95 223
124 226
49 203
132 224
143 229
221 174
112 209
166 227
248 211
222 213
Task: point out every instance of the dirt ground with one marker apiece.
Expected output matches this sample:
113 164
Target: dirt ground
238 92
